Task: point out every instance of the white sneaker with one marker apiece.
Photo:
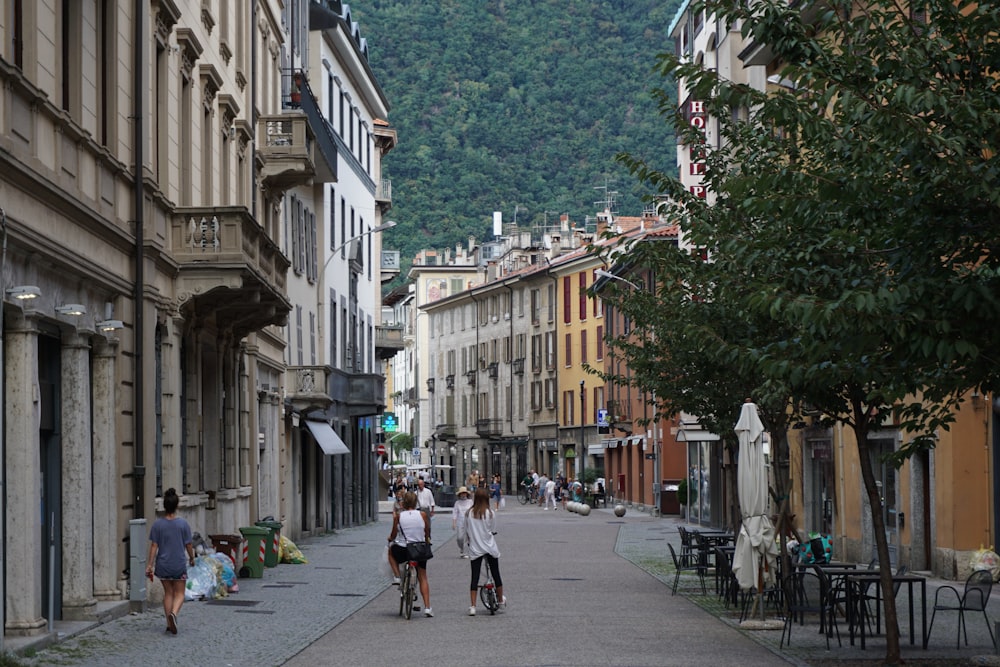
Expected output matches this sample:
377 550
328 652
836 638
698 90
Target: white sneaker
428 612
395 581
503 603
472 611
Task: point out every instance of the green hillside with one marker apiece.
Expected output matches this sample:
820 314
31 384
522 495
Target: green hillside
514 104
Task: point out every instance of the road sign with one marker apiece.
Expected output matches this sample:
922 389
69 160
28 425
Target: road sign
380 450
602 417
416 454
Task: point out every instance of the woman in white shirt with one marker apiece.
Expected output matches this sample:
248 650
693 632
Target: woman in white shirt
410 525
480 527
461 508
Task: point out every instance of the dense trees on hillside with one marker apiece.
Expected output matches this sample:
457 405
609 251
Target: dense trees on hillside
506 104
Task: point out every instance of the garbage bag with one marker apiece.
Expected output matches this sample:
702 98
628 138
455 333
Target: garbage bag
986 559
201 580
383 563
290 553
228 573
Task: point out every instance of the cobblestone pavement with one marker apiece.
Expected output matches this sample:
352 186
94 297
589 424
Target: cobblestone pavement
573 603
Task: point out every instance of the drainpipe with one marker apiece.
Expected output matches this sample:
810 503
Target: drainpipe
3 435
138 200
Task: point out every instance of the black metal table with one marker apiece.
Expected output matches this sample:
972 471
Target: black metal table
856 580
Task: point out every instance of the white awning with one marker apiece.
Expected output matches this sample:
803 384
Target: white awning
327 438
595 450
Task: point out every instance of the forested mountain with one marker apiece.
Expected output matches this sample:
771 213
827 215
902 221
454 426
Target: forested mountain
514 104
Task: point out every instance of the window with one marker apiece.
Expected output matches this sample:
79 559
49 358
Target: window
298 335
333 218
552 303
536 353
600 343
569 350
567 295
550 350
550 393
535 307
583 346
583 295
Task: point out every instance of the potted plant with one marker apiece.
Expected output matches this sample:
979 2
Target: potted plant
296 94
686 495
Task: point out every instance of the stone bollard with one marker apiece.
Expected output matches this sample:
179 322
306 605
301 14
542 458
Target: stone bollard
619 510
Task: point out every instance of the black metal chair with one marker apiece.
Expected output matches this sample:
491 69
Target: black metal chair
809 592
687 563
974 598
687 544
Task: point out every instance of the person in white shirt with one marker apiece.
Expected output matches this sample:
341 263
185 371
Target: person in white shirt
460 509
550 494
480 527
425 500
409 525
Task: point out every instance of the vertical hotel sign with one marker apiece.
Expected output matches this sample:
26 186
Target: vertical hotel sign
695 114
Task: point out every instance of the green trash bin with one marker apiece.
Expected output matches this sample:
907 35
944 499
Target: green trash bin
273 540
255 545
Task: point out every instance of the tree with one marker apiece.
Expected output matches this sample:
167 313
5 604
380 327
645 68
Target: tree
856 211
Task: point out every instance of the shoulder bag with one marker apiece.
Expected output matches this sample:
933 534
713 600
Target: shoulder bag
418 551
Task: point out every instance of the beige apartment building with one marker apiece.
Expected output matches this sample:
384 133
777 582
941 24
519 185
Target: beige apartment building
148 148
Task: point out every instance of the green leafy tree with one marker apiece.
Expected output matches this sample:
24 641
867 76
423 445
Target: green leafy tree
855 210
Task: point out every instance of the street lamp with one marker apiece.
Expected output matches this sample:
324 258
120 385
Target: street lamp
388 224
582 455
657 480
601 273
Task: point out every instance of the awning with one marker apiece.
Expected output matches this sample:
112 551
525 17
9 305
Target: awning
595 450
327 438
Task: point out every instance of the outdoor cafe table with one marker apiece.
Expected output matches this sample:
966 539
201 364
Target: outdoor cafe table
854 584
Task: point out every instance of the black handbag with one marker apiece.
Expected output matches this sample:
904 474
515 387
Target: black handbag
418 551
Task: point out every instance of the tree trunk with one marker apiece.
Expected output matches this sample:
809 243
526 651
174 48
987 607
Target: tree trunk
892 651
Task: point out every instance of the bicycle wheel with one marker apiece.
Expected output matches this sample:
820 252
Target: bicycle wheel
411 592
524 496
488 594
403 588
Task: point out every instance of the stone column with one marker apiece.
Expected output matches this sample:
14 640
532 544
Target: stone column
78 492
24 490
108 533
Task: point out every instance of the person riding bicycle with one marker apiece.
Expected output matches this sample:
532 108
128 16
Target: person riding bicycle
480 527
410 525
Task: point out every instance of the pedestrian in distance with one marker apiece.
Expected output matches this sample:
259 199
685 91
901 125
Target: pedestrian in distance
410 525
550 495
480 529
425 500
495 492
461 507
170 553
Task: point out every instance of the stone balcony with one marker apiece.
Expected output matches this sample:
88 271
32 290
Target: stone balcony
308 387
287 150
388 340
229 268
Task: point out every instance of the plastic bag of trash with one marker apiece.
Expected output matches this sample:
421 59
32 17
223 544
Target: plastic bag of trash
290 553
228 575
201 580
986 559
383 563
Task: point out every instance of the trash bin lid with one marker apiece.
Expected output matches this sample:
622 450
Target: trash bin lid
276 525
253 530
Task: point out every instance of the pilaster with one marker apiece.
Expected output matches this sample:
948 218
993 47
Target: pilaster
105 499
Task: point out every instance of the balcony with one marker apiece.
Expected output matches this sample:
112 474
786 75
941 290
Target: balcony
287 151
383 193
300 99
518 366
229 267
308 387
449 381
470 377
388 340
446 432
489 428
361 394
390 265
493 370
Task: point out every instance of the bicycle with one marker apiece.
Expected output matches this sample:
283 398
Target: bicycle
488 593
407 587
525 495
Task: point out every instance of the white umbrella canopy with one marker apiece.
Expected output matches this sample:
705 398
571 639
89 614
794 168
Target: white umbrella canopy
756 553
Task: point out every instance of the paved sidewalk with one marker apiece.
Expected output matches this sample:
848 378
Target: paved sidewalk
583 591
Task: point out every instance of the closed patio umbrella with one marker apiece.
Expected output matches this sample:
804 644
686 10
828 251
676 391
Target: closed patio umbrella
756 553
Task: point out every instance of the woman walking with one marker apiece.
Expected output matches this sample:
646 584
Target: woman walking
462 506
170 553
495 492
410 525
480 527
